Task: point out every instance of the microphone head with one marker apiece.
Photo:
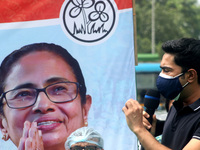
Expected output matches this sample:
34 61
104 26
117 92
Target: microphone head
152 99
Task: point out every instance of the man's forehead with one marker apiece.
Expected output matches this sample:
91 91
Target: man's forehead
168 57
167 60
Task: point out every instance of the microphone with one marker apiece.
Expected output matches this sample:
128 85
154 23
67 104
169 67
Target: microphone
151 102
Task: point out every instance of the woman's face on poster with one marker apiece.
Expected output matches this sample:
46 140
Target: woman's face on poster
59 120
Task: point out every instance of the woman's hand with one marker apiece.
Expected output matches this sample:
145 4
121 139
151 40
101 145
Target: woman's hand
31 138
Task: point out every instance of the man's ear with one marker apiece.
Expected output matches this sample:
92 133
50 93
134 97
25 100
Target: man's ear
192 75
86 107
3 127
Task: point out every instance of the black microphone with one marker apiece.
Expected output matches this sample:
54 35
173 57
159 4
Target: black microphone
151 102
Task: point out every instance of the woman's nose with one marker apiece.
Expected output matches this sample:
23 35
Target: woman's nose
43 104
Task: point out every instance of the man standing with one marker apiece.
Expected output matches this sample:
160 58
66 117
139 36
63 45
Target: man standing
178 80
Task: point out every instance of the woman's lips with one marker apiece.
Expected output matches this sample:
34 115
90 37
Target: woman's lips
48 125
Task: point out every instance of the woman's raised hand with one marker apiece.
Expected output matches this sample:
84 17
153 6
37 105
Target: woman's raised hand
31 138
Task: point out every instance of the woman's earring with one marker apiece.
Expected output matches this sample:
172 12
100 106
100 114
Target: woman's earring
86 123
5 137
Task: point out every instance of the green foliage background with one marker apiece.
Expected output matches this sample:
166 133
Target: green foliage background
174 19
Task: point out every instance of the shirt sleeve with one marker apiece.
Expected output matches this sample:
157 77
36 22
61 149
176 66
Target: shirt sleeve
197 133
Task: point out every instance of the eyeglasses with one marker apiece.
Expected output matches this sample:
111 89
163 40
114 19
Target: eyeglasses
59 92
86 148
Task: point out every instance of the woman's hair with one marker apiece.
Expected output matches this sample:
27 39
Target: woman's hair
12 58
186 53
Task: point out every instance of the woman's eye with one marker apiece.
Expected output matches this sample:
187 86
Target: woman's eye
23 94
57 89
19 95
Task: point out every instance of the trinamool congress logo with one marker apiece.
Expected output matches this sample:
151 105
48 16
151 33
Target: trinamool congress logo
89 22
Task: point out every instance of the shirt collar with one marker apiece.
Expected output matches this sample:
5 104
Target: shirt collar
194 106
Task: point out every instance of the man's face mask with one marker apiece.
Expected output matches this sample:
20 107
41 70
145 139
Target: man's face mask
170 87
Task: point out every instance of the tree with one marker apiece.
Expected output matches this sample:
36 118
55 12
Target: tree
174 19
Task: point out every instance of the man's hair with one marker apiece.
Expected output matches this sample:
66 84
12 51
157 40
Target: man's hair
186 53
12 58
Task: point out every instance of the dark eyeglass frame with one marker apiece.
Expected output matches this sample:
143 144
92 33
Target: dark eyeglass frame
84 147
78 87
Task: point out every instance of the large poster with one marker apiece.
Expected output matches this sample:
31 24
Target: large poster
99 34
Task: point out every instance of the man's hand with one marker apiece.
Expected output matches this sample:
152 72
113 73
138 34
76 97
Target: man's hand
147 125
134 115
